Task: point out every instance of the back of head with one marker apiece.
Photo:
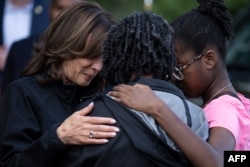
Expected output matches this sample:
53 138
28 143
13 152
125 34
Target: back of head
210 24
140 44
77 32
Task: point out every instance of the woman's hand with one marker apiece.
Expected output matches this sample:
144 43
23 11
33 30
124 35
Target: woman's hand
79 129
139 97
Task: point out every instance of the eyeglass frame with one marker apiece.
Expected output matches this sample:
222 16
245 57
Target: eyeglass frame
177 73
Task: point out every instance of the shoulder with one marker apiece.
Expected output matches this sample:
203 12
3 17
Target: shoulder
29 90
230 113
225 103
24 81
25 85
245 101
224 111
21 85
24 92
23 49
24 42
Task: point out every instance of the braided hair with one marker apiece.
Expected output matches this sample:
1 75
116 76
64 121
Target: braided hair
209 24
139 44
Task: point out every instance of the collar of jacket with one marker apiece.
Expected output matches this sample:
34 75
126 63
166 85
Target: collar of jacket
73 94
67 93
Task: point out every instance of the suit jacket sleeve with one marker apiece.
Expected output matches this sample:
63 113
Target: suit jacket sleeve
21 135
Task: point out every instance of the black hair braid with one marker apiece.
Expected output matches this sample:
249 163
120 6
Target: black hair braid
208 24
139 44
220 12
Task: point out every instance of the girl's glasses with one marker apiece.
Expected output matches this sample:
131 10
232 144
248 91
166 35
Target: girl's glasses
177 73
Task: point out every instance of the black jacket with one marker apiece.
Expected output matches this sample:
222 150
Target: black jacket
136 144
29 116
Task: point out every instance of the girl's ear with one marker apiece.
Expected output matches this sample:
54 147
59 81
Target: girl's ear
210 58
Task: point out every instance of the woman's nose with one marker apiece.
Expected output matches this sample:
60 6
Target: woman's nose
97 65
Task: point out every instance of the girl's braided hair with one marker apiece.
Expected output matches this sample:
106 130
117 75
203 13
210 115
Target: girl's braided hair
139 44
209 24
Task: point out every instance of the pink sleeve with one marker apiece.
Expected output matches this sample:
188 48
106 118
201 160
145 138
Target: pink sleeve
222 113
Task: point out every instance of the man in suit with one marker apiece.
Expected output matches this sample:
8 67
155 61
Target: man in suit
21 51
14 14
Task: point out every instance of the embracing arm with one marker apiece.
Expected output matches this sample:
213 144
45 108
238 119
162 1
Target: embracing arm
75 130
29 138
197 151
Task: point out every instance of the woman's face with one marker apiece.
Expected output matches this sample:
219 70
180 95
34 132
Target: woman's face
82 71
194 75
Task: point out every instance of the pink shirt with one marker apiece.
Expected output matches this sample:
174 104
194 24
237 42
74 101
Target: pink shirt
230 113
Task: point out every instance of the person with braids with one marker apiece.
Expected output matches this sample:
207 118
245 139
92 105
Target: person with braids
38 126
139 49
201 37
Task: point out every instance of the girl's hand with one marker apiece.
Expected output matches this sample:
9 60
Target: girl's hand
139 97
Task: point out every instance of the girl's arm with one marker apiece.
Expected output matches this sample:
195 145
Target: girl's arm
198 152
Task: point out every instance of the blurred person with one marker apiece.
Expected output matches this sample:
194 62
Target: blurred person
201 37
20 19
139 49
21 51
37 122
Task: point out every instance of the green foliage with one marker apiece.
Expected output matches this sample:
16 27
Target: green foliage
169 9
121 8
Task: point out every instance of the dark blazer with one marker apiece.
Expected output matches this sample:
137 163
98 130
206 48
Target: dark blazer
40 17
19 55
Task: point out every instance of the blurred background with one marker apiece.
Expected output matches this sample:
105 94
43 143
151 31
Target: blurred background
169 9
238 58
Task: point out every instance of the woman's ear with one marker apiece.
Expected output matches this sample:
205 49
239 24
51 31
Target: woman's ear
210 58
